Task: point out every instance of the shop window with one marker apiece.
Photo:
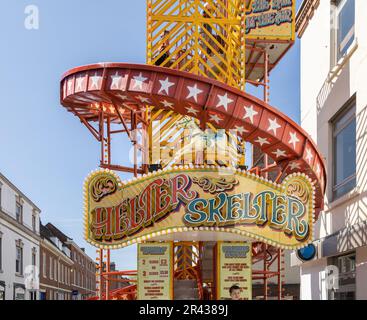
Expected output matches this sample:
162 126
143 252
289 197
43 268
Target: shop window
344 152
2 290
19 292
347 278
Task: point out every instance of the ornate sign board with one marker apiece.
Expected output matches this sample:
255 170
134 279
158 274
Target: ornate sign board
271 20
155 270
234 275
202 199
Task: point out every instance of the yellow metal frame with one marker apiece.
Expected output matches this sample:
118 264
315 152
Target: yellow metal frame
213 46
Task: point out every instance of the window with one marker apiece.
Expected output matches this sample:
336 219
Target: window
44 269
34 219
51 269
347 278
344 152
34 255
55 270
2 290
344 23
19 212
19 260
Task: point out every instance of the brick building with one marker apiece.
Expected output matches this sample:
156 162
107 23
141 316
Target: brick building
56 267
67 272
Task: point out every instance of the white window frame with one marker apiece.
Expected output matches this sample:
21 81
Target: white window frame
349 106
337 47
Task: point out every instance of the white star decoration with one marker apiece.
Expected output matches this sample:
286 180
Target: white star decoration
309 155
70 84
95 81
115 80
139 81
273 126
258 248
241 130
279 153
250 113
143 99
215 118
165 85
224 101
262 141
318 169
294 165
194 92
167 104
79 83
294 139
192 111
122 97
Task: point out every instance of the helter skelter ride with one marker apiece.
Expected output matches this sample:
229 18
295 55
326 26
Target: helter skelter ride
207 226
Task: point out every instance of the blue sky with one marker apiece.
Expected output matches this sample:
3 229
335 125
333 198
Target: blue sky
45 151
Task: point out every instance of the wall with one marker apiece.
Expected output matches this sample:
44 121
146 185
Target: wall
320 102
313 280
10 235
12 231
361 273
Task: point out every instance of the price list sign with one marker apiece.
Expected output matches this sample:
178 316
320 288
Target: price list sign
234 276
155 271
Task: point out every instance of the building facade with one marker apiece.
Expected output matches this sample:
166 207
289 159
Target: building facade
79 270
19 244
56 267
333 37
84 284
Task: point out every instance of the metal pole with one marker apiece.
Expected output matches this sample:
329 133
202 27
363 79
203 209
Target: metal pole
108 269
266 98
279 275
100 274
265 247
101 131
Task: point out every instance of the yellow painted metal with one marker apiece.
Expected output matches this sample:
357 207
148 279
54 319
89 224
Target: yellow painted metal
205 38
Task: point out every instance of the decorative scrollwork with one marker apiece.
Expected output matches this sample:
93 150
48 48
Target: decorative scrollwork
214 185
102 187
298 189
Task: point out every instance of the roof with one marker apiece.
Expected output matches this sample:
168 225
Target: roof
58 233
20 193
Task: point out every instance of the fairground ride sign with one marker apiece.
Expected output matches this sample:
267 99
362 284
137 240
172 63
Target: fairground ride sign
198 200
271 20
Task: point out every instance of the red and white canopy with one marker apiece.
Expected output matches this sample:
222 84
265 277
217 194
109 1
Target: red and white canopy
86 89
